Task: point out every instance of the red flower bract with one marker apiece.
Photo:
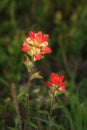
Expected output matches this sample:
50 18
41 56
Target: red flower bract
46 50
61 78
45 37
56 83
38 57
32 35
62 86
48 83
25 47
54 78
38 37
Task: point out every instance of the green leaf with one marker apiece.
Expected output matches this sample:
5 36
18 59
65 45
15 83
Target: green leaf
43 112
68 116
17 122
42 120
54 124
21 95
36 75
4 82
12 128
33 125
57 126
28 66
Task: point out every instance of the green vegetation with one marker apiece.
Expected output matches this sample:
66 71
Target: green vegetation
66 24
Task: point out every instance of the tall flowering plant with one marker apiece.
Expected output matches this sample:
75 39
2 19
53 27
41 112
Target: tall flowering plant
34 48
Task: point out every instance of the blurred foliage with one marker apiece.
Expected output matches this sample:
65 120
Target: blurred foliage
66 23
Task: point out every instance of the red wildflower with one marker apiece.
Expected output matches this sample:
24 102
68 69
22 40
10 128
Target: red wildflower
56 83
36 44
25 47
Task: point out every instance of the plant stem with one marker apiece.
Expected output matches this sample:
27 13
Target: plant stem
14 96
52 101
27 101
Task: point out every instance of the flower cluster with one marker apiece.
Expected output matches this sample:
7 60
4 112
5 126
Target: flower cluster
56 84
36 45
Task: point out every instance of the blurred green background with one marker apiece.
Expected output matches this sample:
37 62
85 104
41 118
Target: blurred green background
66 23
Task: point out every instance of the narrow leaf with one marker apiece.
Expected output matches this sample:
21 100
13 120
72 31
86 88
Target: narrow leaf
33 125
40 119
43 112
36 75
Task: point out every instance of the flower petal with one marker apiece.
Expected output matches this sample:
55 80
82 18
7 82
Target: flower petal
61 78
62 86
32 35
38 57
54 78
25 47
38 37
48 83
46 50
45 37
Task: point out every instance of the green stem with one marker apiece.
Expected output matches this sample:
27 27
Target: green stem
27 102
14 96
52 101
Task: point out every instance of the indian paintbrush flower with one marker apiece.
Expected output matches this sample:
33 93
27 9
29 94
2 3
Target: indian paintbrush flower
36 45
56 84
